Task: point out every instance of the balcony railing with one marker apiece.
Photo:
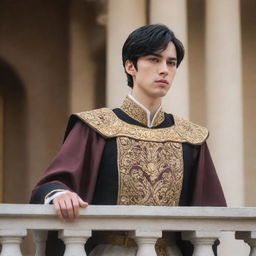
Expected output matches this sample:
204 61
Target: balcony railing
201 225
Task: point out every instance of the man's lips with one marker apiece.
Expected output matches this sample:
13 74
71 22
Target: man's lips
162 81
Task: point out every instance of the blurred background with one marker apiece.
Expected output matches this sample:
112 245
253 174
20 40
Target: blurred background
63 56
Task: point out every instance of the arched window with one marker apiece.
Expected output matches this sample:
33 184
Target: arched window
13 163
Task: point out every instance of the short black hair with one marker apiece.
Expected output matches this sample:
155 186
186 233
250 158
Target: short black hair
147 40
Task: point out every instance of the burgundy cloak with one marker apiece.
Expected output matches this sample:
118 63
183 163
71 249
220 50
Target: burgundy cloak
76 168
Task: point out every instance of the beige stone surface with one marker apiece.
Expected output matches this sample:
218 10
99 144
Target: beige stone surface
86 54
120 24
196 61
224 101
35 47
174 15
248 95
224 104
201 224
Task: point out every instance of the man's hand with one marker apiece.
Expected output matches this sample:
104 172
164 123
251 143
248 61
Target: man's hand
67 205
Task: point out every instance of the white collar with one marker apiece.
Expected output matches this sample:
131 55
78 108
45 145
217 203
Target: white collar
149 121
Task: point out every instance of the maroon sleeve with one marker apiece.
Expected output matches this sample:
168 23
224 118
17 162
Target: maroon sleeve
76 165
207 188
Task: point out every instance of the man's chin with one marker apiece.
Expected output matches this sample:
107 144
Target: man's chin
161 93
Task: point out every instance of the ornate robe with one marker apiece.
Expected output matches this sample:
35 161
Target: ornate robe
111 157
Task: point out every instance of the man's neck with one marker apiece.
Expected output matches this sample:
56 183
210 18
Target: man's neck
151 104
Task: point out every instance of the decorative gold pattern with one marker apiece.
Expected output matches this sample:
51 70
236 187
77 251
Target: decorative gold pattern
150 173
161 247
137 113
105 122
120 240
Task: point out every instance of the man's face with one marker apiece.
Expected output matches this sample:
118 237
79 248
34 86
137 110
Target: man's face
155 73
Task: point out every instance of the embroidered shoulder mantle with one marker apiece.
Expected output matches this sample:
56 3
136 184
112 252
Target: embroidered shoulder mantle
105 122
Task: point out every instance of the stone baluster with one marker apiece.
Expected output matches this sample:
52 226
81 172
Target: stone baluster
146 242
40 237
249 238
74 241
11 240
202 241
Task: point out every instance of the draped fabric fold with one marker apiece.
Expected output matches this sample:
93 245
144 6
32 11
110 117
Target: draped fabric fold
87 164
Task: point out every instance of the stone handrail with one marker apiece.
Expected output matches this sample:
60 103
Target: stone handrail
201 225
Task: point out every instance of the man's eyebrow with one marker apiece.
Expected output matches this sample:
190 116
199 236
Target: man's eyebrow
172 58
159 55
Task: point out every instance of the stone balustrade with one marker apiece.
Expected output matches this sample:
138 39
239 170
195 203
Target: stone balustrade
201 225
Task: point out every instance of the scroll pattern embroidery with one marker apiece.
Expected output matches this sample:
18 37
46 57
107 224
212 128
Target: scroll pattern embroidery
150 173
105 122
137 113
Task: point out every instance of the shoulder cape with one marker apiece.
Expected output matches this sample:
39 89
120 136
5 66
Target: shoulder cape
107 124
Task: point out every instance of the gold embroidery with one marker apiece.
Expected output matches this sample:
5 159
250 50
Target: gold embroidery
137 113
161 247
158 119
105 122
134 111
150 173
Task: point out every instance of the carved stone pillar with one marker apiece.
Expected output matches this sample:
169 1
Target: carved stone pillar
202 241
146 242
249 238
224 94
11 241
224 108
74 241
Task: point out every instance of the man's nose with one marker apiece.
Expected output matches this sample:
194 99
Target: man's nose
163 68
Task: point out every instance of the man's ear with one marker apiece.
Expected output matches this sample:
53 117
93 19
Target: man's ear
129 68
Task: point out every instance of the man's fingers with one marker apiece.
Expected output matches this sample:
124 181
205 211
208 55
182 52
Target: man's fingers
67 205
76 206
57 209
60 208
68 210
63 209
82 203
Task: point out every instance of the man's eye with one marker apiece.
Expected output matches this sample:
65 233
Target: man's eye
154 59
172 63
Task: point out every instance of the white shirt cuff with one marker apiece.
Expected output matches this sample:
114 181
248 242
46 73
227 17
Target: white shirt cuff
48 199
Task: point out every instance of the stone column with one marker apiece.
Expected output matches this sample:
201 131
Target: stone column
74 241
224 96
202 241
173 13
122 18
82 65
146 241
224 102
249 238
11 241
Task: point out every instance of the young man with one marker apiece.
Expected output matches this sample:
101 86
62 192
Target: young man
136 154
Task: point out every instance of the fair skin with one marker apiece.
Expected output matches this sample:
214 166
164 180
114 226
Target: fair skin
153 77
67 205
151 81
